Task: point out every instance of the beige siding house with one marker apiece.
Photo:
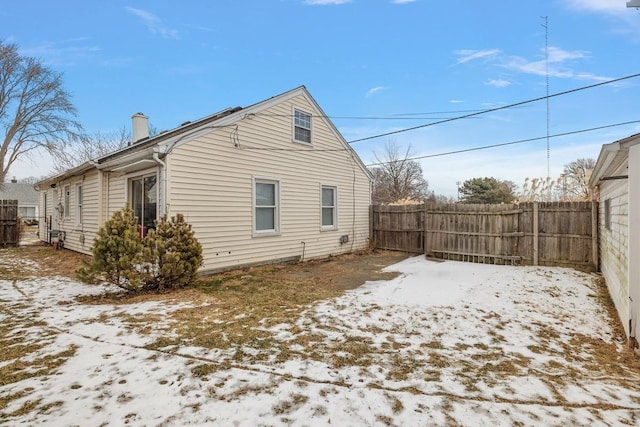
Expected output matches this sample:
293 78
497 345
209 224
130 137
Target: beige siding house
617 176
274 181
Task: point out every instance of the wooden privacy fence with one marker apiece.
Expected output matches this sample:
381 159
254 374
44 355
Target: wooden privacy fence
397 228
558 233
9 223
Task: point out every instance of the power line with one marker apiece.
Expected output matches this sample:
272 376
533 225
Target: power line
465 150
496 109
402 116
484 147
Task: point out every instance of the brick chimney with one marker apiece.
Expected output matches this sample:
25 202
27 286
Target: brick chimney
140 127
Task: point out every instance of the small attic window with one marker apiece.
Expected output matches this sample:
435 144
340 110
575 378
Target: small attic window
301 126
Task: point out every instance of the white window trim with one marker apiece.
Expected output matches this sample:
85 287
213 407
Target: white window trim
265 233
66 202
140 175
293 126
335 208
79 204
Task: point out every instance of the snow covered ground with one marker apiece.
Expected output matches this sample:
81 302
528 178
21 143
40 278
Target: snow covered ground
444 343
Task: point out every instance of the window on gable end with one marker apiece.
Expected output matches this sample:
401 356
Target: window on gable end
301 126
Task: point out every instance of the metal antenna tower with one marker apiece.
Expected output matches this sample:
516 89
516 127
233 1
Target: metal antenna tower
546 62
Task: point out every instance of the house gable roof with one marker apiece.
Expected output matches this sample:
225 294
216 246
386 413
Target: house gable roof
188 130
25 194
240 113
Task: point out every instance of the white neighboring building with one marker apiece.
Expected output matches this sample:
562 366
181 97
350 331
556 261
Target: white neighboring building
617 175
25 194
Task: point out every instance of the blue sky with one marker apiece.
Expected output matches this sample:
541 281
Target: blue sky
405 63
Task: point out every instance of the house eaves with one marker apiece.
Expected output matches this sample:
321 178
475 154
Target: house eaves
611 157
78 170
163 136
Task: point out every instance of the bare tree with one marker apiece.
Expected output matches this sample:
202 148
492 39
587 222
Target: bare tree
35 110
397 178
32 179
575 179
82 148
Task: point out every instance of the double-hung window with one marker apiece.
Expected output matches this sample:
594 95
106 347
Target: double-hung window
301 126
144 201
67 197
329 208
78 211
265 205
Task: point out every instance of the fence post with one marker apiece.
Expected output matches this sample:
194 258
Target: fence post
372 242
535 233
425 230
594 235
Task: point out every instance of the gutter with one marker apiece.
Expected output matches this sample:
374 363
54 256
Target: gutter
612 178
163 181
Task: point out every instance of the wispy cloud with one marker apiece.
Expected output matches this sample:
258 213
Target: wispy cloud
624 22
560 63
607 6
456 101
153 23
375 90
64 52
498 83
326 2
402 1
466 55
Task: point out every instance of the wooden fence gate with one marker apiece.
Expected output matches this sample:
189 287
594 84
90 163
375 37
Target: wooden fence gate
397 228
9 223
557 233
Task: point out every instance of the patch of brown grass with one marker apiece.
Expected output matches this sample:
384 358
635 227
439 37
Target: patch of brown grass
233 311
402 367
287 406
19 369
353 351
50 262
247 303
625 357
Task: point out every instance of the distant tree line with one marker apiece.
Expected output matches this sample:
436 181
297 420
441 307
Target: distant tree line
399 180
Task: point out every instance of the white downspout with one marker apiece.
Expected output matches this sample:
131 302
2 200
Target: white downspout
163 183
